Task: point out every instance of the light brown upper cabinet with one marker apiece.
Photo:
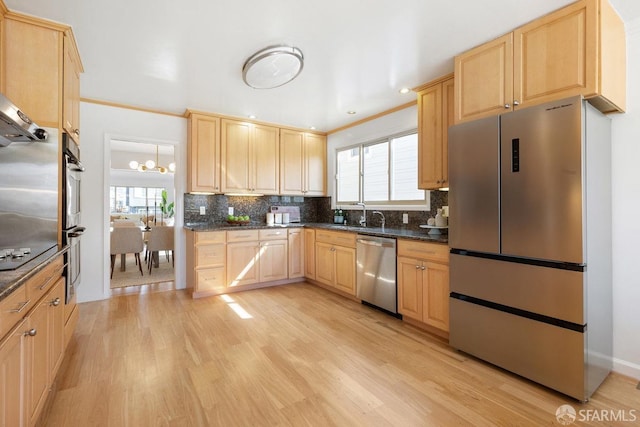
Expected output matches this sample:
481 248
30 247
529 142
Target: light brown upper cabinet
435 115
203 153
35 74
71 108
576 50
302 163
250 158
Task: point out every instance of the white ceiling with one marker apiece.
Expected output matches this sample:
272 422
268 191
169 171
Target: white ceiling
171 56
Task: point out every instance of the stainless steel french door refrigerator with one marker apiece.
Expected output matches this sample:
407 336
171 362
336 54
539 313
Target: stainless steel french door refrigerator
530 239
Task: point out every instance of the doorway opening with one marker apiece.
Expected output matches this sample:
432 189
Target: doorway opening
141 217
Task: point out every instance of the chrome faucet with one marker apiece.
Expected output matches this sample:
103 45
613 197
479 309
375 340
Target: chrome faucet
382 215
363 218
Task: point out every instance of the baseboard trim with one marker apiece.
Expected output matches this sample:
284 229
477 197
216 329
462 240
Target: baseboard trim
626 368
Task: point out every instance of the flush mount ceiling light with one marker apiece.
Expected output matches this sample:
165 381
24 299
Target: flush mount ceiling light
151 165
272 67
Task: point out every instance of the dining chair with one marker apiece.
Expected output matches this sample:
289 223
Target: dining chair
126 240
160 239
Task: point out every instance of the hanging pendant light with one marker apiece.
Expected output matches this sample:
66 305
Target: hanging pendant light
151 165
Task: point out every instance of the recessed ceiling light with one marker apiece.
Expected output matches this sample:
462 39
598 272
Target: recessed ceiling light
351 112
312 128
252 116
405 90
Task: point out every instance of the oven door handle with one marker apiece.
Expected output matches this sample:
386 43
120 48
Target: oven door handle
76 232
75 165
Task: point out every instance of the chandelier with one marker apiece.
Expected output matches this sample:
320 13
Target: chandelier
151 165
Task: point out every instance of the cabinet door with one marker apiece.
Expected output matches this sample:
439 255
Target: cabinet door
310 253
265 174
435 295
296 253
55 300
292 162
410 287
345 262
71 90
448 100
554 56
236 156
210 280
430 137
273 260
32 80
325 263
203 154
12 368
37 360
243 263
484 80
315 158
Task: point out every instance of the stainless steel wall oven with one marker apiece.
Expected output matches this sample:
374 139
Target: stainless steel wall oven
71 228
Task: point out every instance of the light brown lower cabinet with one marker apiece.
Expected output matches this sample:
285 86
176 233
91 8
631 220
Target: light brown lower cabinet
336 260
30 356
296 250
310 253
423 283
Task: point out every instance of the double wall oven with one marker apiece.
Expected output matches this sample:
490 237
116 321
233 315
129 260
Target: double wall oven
71 219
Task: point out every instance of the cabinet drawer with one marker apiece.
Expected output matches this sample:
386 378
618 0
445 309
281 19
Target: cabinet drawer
210 256
210 279
339 238
43 280
207 237
12 309
273 234
243 236
423 250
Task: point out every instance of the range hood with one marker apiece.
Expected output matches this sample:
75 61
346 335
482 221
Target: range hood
16 126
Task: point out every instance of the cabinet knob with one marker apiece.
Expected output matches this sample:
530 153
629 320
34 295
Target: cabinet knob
417 267
424 268
507 106
333 249
516 103
31 333
55 302
77 132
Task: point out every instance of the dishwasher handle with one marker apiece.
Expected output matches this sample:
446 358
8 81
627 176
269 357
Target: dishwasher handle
376 243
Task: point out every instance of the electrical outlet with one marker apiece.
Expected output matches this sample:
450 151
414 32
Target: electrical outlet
405 218
445 211
203 210
230 210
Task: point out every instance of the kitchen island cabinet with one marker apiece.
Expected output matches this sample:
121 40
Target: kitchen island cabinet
423 284
577 50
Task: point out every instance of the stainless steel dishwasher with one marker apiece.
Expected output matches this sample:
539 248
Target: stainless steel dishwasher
376 272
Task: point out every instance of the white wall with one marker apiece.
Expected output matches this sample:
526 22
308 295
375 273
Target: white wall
626 218
99 125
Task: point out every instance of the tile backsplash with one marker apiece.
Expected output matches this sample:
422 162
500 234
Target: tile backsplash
312 209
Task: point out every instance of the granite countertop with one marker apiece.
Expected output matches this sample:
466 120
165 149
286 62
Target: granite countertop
11 280
370 231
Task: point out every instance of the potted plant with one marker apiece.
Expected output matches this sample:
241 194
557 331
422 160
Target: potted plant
166 208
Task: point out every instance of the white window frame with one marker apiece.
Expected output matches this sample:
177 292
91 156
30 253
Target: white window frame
423 204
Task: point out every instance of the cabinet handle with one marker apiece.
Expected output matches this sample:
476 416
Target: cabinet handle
516 103
333 249
424 268
55 302
77 132
507 106
31 333
417 267
19 309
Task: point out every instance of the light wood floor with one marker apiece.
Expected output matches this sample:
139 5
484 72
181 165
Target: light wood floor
304 357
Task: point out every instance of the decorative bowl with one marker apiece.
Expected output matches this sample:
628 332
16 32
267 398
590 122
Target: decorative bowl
230 222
